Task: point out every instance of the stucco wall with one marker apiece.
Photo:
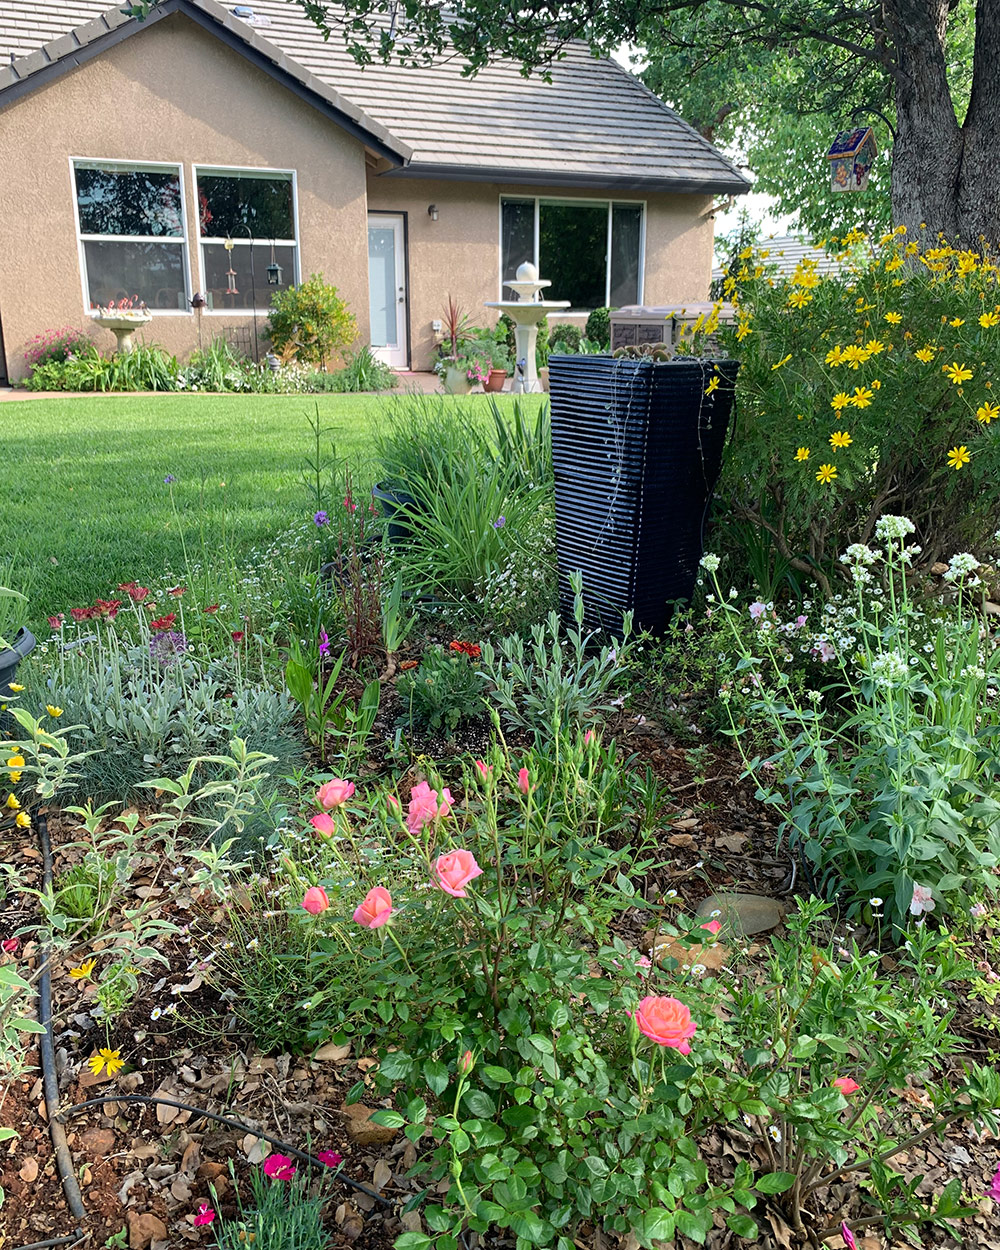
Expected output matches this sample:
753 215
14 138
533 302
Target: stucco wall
459 253
169 93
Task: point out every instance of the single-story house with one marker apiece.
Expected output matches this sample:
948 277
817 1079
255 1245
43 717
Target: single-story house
226 151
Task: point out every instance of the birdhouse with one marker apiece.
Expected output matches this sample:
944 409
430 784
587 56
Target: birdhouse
851 159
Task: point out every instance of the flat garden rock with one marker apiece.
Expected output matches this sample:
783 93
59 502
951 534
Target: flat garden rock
743 914
360 1128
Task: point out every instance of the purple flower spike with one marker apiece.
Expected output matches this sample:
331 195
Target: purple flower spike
500 522
169 478
321 518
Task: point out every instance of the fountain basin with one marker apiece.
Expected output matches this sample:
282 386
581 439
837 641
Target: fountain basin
123 325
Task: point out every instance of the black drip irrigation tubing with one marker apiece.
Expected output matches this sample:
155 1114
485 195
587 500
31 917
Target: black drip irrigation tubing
56 1117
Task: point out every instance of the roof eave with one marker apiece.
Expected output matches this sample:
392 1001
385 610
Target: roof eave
720 184
77 47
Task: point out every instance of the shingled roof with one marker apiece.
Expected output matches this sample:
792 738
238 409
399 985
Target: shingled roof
593 125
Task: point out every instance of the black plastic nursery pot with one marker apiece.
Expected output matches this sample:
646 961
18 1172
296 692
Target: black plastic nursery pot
637 449
10 658
395 504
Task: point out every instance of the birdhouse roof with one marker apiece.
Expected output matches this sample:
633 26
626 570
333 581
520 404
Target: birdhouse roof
850 142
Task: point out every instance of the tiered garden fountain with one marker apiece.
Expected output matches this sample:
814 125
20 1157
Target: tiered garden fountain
527 312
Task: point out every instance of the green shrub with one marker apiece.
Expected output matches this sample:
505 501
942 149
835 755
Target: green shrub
310 323
565 338
861 387
145 368
55 345
362 372
445 692
598 327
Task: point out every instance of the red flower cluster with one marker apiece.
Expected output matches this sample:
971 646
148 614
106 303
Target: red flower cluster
471 649
164 622
135 592
56 622
107 608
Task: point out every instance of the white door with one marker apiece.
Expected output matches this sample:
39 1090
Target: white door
387 287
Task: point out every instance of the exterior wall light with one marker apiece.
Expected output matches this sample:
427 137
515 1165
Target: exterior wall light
432 212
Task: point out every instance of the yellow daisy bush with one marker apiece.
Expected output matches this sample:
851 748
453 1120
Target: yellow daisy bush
890 308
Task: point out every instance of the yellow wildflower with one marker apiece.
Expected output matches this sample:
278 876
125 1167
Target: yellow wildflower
15 687
876 384
22 820
834 356
987 413
746 253
958 456
893 318
712 386
826 474
16 761
862 397
911 249
802 453
874 346
13 803
957 321
84 970
986 320
840 438
926 354
785 359
840 400
957 373
798 299
892 265
854 356
742 331
110 1059
53 710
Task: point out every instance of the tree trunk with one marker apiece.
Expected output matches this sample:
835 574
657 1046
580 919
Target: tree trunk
944 174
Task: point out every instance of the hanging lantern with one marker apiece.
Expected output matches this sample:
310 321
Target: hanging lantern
851 159
273 270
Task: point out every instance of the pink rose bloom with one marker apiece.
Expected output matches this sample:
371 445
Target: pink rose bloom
666 1021
455 870
9 946
466 1063
323 823
334 792
523 784
374 910
923 900
330 1158
846 1085
279 1167
483 769
588 737
713 926
205 1215
423 807
314 901
392 803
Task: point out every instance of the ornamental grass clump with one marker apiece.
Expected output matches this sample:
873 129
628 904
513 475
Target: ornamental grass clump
866 389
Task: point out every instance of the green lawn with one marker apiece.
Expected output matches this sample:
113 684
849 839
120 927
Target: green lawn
82 480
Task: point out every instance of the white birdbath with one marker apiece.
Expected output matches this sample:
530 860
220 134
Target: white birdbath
123 325
527 312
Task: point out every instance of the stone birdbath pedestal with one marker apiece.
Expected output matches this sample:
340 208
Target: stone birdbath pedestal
527 312
122 325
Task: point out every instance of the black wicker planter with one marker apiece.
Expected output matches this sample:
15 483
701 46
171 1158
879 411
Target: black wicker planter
637 448
10 657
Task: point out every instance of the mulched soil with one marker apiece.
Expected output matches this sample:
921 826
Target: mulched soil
145 1169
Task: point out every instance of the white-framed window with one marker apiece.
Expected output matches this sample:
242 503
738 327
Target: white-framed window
132 234
248 229
592 251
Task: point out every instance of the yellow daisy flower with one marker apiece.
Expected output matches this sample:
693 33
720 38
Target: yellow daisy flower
53 710
986 320
798 299
834 356
840 438
22 820
15 687
712 386
862 397
893 318
110 1059
894 264
840 400
987 413
14 776
926 354
742 331
84 970
957 321
958 456
802 453
874 346
826 474
957 373
13 803
784 361
854 356
16 761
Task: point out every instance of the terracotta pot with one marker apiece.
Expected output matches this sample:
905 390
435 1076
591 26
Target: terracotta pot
496 380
